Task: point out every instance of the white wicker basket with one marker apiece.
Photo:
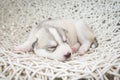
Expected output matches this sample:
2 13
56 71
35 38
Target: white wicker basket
17 17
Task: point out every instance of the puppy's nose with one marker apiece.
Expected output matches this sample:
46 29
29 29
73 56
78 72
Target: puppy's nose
68 55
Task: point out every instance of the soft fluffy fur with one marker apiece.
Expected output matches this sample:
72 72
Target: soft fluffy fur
70 36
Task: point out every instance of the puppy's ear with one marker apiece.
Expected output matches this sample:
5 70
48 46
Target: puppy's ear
34 43
63 33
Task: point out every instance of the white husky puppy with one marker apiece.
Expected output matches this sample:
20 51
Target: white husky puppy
58 39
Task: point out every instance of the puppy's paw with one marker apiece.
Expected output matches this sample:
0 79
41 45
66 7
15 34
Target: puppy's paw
81 52
75 47
74 50
84 48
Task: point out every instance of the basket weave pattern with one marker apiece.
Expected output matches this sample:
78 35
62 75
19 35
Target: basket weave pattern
17 17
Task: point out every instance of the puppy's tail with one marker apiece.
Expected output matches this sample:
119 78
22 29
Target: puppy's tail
95 43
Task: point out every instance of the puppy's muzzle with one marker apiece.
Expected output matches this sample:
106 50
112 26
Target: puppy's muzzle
68 55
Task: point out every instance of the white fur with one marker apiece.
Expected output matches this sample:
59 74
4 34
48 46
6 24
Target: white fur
76 30
56 35
83 36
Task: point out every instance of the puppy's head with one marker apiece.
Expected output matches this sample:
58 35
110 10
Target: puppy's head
52 43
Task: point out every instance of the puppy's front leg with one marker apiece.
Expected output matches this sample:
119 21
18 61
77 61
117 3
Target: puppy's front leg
85 36
81 49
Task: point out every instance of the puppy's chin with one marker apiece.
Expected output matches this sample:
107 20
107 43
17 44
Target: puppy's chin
50 55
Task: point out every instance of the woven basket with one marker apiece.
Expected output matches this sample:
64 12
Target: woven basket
17 17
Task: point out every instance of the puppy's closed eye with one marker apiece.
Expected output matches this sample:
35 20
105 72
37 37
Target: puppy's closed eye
51 48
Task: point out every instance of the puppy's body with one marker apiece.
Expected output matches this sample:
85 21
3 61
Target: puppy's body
57 39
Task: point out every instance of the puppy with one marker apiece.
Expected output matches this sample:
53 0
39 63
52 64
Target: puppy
58 39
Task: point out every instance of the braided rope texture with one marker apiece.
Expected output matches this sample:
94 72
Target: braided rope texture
18 17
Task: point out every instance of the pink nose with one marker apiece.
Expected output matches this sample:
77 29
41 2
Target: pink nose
68 55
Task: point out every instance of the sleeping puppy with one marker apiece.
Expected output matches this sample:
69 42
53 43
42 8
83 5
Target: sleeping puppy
58 39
